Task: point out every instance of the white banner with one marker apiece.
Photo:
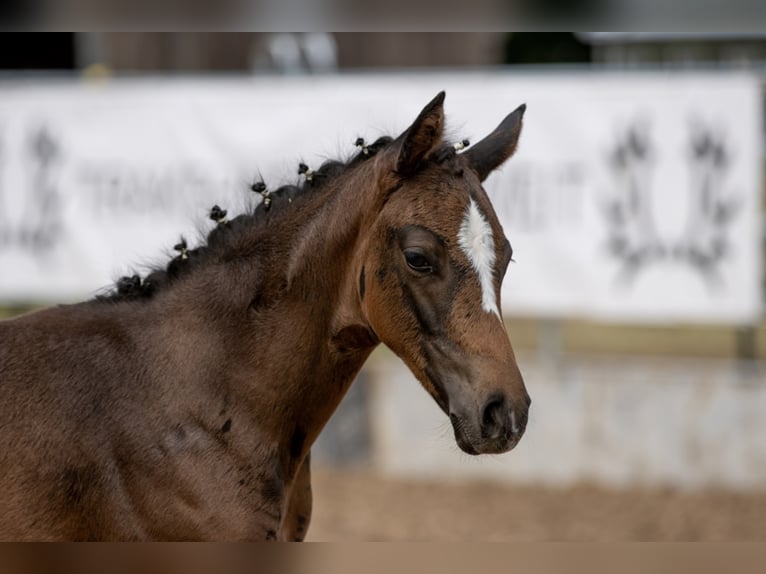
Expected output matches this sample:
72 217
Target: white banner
631 197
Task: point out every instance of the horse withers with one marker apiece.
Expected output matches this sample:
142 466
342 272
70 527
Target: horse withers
183 405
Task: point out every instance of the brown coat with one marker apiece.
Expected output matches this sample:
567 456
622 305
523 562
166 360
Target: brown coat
183 407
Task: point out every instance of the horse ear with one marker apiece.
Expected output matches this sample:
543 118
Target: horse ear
493 150
422 136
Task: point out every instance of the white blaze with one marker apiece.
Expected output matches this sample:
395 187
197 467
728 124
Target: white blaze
475 239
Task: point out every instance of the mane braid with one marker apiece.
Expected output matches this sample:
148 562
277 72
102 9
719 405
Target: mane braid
134 288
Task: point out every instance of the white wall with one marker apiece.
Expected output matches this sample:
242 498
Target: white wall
618 421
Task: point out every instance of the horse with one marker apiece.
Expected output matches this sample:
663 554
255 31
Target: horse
183 405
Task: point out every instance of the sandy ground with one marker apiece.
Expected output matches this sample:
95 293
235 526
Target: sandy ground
356 505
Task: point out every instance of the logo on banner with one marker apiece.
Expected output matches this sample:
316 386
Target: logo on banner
38 226
634 238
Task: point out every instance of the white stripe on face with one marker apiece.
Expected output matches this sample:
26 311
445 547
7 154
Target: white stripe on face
476 241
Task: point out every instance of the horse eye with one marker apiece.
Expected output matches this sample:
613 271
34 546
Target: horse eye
417 262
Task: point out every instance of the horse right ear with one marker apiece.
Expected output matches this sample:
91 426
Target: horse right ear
493 150
421 137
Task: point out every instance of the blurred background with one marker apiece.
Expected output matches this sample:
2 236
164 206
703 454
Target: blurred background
635 206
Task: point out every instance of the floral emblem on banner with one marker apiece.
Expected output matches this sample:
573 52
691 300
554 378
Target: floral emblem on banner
633 237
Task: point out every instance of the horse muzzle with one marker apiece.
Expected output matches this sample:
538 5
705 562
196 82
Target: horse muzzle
496 428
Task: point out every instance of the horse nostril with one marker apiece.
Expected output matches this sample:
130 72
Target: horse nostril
493 415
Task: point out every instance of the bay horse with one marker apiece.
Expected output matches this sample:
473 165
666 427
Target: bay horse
183 405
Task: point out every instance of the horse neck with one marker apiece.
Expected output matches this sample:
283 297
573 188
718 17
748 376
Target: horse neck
323 281
325 255
292 360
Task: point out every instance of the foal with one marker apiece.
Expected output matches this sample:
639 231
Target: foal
183 406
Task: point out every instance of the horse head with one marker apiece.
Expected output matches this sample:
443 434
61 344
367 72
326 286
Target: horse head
430 277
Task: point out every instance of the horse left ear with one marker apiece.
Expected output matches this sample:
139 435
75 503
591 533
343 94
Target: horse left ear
422 136
493 150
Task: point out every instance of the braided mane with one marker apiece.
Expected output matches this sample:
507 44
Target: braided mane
136 287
